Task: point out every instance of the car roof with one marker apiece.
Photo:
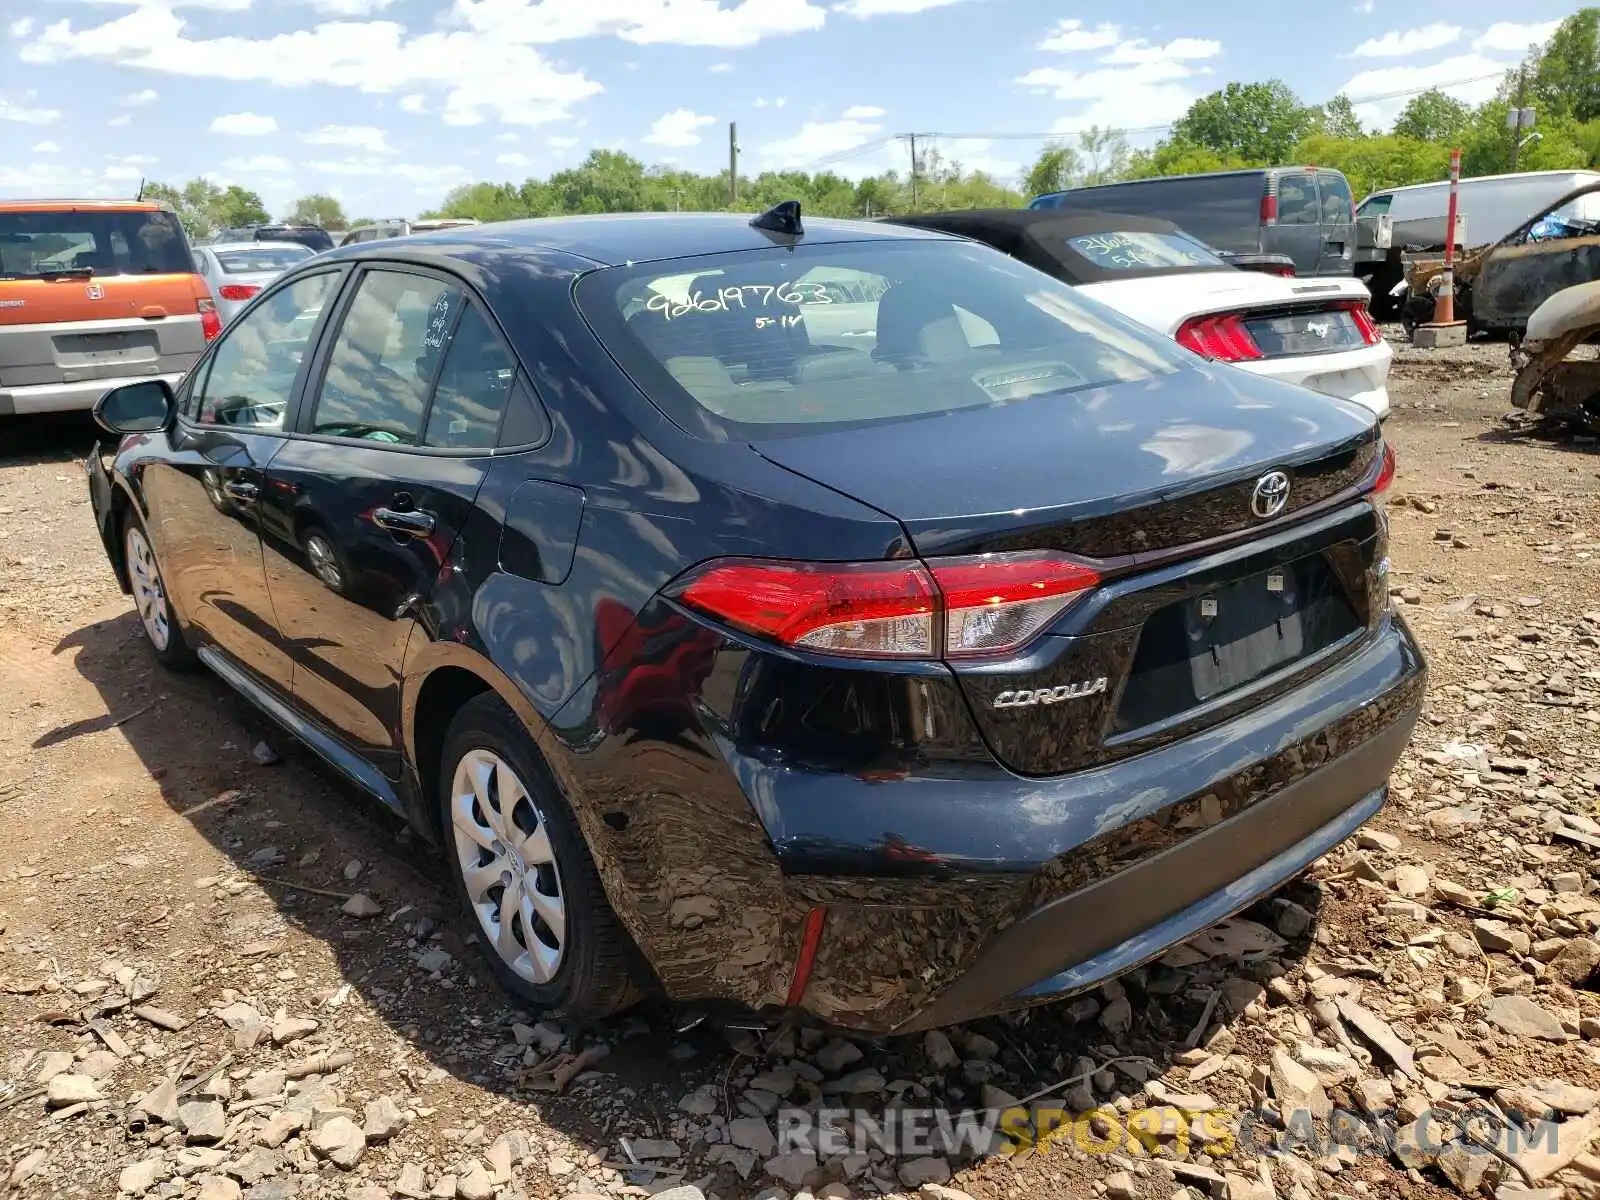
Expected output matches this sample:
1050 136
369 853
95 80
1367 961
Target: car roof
70 205
214 246
614 239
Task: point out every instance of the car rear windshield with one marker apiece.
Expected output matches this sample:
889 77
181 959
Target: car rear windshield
39 244
779 342
316 239
1146 251
262 258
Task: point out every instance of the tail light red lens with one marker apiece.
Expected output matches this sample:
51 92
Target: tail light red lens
1370 333
210 321
1221 336
1386 471
238 291
976 606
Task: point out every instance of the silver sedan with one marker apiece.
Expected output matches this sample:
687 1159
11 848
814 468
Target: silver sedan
236 271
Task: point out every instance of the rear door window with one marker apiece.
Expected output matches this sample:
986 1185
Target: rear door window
1297 200
474 384
385 355
37 244
1336 200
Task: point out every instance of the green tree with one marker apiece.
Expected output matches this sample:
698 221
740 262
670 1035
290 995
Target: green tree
1255 122
1337 118
1377 162
319 208
1565 79
1056 169
236 207
1175 156
1431 116
1105 154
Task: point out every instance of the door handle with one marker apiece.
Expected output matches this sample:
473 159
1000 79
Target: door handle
411 521
246 493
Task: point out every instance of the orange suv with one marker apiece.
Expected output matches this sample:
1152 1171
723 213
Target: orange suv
93 294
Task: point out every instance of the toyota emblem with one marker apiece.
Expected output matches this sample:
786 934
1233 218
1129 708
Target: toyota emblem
1270 495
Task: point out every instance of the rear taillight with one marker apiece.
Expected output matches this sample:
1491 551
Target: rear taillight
1269 209
976 606
1386 470
1221 336
238 291
210 322
1370 333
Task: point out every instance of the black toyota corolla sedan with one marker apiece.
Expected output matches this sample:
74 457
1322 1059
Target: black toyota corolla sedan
779 613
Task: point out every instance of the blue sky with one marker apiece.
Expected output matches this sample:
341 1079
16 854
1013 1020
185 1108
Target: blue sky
387 103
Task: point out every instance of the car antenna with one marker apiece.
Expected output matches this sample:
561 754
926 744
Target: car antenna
140 196
783 217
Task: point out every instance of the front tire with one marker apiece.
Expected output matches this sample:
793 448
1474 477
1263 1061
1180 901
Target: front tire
524 872
156 618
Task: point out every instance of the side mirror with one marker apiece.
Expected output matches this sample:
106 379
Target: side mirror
142 407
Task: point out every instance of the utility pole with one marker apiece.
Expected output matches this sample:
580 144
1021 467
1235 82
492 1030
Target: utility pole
1516 130
913 139
733 165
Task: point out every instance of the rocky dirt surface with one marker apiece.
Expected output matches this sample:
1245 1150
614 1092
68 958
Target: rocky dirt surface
222 975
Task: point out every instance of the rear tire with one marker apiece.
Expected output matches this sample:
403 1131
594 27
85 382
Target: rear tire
523 871
156 618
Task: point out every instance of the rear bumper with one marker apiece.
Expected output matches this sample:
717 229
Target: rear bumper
66 397
1360 376
956 894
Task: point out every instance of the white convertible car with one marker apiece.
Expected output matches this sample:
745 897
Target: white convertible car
1314 331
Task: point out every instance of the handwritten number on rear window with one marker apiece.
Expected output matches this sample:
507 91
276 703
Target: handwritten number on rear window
741 296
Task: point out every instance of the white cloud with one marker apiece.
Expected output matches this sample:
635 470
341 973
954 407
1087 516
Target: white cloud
863 9
21 27
1399 43
678 128
1071 36
680 23
46 148
349 8
1470 78
819 140
482 72
256 164
138 99
720 68
120 122
1363 6
24 114
416 102
560 142
1137 51
775 102
113 173
1510 38
862 112
514 160
244 124
132 160
421 173
356 137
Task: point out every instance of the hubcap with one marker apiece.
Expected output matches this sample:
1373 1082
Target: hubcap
509 866
323 562
148 594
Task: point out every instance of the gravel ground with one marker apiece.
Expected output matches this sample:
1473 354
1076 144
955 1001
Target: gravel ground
222 974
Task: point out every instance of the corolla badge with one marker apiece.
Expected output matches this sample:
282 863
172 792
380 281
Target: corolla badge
1028 697
1271 493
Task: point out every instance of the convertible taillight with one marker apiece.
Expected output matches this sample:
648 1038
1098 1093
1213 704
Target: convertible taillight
1386 471
1221 336
1370 333
238 291
977 606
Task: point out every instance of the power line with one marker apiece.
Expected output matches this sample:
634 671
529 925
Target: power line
1057 134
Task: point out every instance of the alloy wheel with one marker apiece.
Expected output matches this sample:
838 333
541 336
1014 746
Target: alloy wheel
508 866
149 595
323 561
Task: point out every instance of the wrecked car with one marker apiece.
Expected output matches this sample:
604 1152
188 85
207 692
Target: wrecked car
1557 382
1499 286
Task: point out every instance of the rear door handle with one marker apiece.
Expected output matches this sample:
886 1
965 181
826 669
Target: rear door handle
245 493
411 521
